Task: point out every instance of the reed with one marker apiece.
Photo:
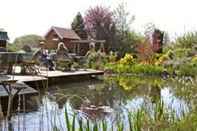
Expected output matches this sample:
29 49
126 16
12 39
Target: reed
140 120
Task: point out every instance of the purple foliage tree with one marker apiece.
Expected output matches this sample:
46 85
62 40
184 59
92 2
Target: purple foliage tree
100 25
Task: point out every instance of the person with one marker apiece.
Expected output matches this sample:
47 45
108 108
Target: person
41 55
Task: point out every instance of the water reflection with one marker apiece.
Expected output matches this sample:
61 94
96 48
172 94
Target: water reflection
111 99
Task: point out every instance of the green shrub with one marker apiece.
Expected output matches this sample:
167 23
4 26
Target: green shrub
194 60
146 69
188 69
182 52
136 69
188 40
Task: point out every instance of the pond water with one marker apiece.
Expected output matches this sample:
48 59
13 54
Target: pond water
110 99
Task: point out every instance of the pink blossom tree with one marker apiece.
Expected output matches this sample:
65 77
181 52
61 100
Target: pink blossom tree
100 25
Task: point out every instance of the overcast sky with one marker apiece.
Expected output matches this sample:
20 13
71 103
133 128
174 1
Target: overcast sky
20 17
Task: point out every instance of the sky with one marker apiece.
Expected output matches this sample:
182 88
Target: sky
21 17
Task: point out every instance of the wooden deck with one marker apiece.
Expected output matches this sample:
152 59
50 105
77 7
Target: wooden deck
54 74
49 74
26 78
53 77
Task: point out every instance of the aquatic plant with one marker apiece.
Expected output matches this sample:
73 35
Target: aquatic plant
139 121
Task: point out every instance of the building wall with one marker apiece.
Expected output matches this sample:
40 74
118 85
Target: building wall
82 49
71 46
50 43
3 43
79 48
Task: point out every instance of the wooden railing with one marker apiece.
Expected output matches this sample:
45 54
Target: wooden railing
10 59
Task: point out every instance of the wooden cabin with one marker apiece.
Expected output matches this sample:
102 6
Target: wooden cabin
58 34
71 40
3 39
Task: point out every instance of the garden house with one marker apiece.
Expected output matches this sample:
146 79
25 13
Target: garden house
71 40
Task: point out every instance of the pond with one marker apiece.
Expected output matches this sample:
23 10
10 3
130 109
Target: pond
112 100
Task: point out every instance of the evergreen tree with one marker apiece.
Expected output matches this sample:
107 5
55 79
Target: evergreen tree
79 27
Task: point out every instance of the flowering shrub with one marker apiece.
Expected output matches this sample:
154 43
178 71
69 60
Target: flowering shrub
145 52
165 57
127 60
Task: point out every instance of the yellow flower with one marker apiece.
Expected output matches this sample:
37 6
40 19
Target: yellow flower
128 59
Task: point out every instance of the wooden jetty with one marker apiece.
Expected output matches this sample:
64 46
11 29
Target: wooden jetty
26 78
53 76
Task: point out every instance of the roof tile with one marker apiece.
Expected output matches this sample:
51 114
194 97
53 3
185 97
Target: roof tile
66 33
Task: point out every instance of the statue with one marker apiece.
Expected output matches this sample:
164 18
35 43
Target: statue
91 55
62 51
63 60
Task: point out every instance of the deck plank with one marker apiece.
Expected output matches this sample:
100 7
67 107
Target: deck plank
26 78
51 74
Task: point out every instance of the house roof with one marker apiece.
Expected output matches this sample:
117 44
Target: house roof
3 35
64 33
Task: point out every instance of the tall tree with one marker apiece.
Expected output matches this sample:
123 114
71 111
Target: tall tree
125 38
100 24
79 27
27 40
123 19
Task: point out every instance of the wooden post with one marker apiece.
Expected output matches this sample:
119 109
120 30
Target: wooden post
8 89
1 116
